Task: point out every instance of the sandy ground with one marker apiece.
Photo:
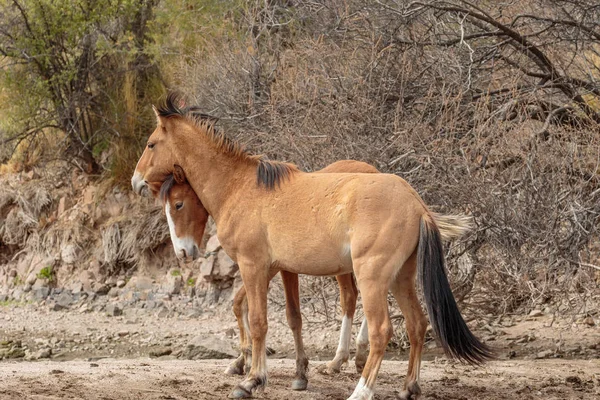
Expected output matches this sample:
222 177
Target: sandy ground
99 357
175 379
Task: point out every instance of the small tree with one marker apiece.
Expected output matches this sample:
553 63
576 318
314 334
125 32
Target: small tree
62 62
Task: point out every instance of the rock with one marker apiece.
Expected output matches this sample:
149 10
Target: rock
87 277
56 307
121 283
113 292
123 333
88 194
63 204
41 293
536 313
14 352
76 287
174 284
230 333
589 321
38 355
100 289
193 313
206 268
544 354
227 267
160 352
31 278
574 380
3 297
140 283
208 347
65 299
69 254
113 310
213 244
163 312
40 283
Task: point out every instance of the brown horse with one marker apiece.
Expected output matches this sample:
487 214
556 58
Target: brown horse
187 219
270 217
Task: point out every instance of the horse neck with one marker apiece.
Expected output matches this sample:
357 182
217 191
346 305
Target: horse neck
215 176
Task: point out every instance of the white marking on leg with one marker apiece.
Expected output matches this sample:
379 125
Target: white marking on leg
362 392
343 350
184 247
362 340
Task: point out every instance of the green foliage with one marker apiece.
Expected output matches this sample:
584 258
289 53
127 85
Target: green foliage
46 273
64 67
191 282
176 272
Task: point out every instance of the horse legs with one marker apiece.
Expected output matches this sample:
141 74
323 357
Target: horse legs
240 309
373 284
294 318
348 295
256 279
403 289
362 344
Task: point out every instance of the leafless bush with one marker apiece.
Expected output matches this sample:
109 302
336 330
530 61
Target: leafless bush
490 110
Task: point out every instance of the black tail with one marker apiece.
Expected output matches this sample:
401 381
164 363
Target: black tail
448 325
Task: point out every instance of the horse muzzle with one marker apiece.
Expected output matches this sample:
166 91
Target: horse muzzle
138 184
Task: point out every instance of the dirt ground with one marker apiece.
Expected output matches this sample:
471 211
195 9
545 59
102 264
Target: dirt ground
175 379
107 358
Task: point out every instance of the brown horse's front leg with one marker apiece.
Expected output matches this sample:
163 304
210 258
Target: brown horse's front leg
240 309
256 280
294 318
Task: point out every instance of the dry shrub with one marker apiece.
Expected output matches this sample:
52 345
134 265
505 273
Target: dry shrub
21 205
127 239
440 99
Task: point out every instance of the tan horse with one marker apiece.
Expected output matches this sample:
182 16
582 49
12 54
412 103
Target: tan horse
187 220
270 217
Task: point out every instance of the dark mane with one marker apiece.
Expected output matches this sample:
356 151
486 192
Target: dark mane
268 173
169 108
166 187
273 173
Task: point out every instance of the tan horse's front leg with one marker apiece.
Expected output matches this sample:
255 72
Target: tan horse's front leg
240 310
256 280
294 318
348 296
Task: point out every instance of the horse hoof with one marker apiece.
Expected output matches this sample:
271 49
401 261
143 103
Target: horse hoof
359 368
299 384
412 392
240 393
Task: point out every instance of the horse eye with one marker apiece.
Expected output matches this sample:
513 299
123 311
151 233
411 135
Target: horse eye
150 146
179 206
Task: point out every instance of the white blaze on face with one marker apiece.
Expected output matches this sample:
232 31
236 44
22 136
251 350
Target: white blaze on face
184 247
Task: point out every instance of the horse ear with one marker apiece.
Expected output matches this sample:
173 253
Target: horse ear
159 119
178 174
